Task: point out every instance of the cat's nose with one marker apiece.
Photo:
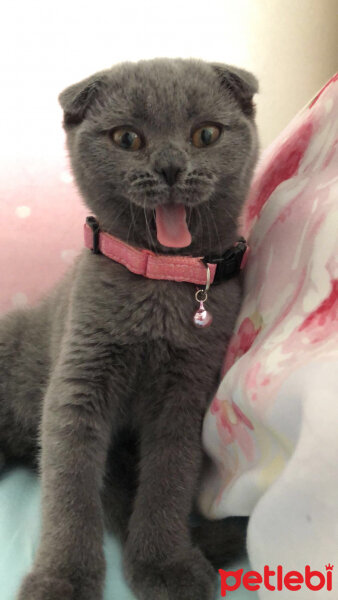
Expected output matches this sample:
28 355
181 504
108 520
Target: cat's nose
170 173
169 162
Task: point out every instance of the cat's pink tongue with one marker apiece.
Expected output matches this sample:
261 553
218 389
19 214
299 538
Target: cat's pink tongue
171 225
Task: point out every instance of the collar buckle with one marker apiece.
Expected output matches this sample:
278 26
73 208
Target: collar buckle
95 227
230 263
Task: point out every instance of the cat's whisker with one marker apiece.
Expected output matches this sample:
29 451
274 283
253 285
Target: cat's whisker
149 234
118 216
154 217
220 249
189 216
200 223
129 230
230 216
132 225
209 234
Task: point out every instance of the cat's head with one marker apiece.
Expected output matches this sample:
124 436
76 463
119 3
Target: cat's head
163 151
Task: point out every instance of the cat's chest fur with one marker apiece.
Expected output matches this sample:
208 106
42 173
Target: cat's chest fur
136 310
147 327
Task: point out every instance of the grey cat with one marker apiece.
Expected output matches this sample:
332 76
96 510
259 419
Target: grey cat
105 383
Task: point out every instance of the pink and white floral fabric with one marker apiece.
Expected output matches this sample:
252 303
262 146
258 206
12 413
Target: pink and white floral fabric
272 429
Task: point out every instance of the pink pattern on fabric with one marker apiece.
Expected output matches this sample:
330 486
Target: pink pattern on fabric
289 316
233 426
323 321
241 342
284 165
332 80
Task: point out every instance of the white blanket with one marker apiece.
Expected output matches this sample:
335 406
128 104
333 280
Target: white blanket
272 429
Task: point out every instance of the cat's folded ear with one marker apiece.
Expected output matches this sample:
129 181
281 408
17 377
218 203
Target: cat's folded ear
240 83
76 99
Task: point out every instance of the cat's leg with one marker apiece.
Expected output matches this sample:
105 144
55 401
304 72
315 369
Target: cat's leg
23 373
160 560
221 541
120 484
76 431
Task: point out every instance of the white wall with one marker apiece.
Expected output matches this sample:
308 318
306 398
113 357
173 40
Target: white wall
291 45
293 48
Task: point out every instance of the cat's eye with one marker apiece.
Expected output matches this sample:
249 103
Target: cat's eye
205 135
126 138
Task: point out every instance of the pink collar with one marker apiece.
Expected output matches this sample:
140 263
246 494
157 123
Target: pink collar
160 266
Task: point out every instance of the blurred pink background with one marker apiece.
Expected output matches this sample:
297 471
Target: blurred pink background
41 217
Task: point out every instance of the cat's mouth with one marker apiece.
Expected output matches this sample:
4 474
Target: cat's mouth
170 205
171 226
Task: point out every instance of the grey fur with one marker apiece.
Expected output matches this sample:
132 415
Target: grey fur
107 380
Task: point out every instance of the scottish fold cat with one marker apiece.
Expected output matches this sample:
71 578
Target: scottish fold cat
105 383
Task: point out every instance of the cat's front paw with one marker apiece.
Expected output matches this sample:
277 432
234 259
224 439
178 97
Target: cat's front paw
44 586
37 586
186 578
